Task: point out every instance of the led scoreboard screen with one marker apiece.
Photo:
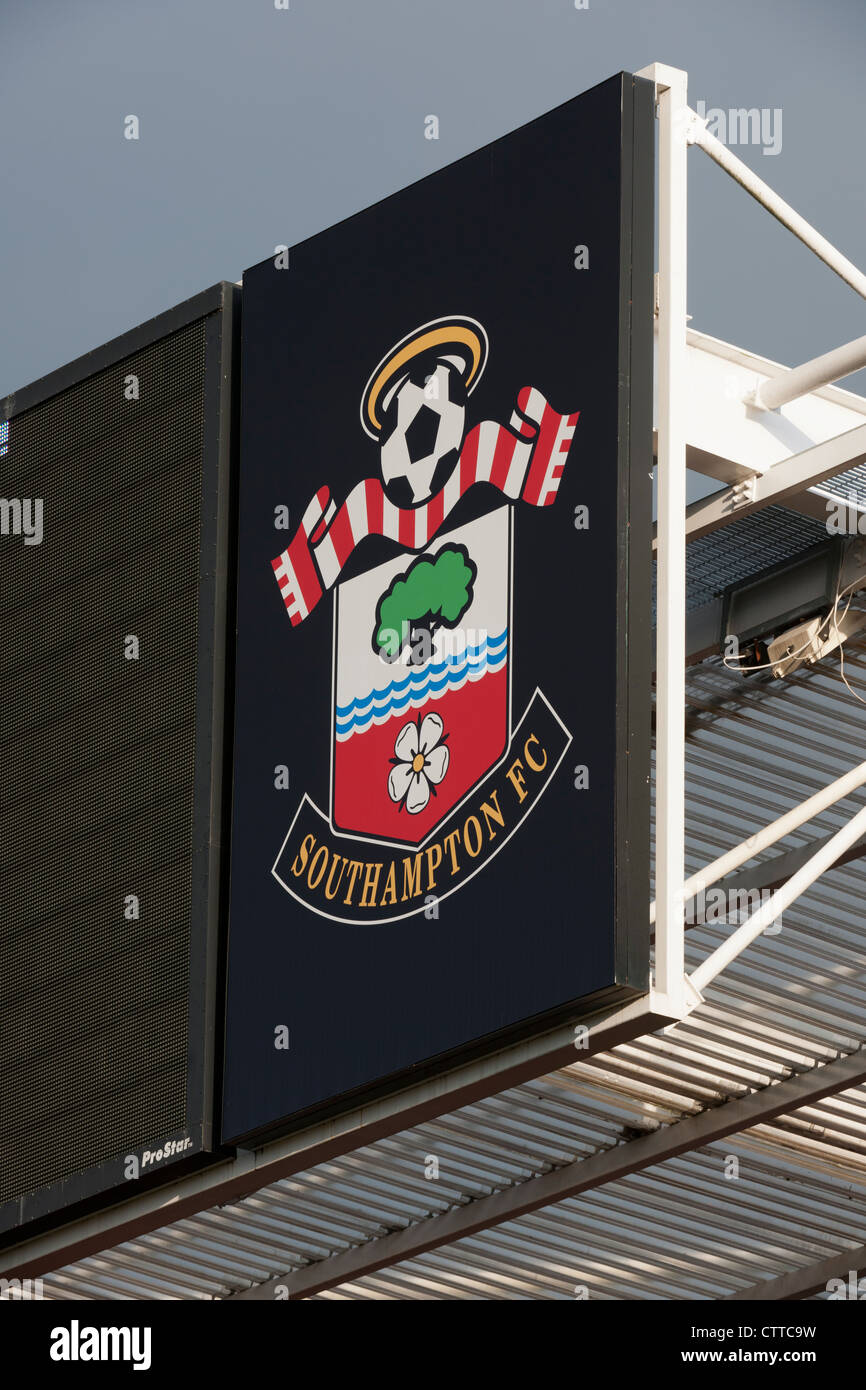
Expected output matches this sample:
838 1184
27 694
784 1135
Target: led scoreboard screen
113 583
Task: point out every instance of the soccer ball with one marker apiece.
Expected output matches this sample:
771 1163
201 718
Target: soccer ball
422 430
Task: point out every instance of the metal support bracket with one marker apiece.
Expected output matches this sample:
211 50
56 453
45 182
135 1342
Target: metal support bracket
671 96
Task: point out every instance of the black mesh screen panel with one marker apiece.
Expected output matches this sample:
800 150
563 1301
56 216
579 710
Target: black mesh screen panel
98 758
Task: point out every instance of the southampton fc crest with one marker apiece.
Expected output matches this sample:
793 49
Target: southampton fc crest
429 773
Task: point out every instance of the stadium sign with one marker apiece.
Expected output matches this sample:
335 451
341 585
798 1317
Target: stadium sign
440 781
421 653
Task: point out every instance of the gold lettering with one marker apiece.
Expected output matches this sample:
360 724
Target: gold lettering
337 859
390 886
321 851
431 867
536 767
355 867
516 778
303 855
449 845
411 878
472 820
492 814
371 883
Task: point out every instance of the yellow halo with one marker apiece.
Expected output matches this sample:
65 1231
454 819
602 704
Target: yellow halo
457 333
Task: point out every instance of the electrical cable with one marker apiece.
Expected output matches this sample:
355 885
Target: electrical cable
769 665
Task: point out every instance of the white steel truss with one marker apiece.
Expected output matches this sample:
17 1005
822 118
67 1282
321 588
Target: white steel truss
680 127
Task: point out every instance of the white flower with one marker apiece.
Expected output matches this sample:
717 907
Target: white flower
420 764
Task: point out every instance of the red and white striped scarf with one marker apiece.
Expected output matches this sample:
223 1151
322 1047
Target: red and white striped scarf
524 461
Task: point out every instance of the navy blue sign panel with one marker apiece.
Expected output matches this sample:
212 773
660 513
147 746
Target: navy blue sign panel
440 821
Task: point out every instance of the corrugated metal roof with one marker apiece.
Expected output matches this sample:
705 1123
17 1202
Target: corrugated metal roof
684 1228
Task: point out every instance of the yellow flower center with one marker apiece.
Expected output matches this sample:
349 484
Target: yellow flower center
418 762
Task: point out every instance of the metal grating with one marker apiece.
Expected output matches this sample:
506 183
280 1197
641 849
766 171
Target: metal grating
742 549
847 487
98 757
745 548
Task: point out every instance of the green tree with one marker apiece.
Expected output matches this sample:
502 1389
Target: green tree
432 593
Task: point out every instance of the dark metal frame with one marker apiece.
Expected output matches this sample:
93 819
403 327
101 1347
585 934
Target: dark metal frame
220 307
634 561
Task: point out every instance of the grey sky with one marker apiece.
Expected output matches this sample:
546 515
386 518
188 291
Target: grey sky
261 126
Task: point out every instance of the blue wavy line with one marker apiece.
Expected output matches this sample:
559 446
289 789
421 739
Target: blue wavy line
397 704
493 647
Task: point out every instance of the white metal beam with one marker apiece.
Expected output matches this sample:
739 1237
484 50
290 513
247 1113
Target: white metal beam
732 442
703 631
671 94
771 873
769 834
698 134
799 381
781 482
772 909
